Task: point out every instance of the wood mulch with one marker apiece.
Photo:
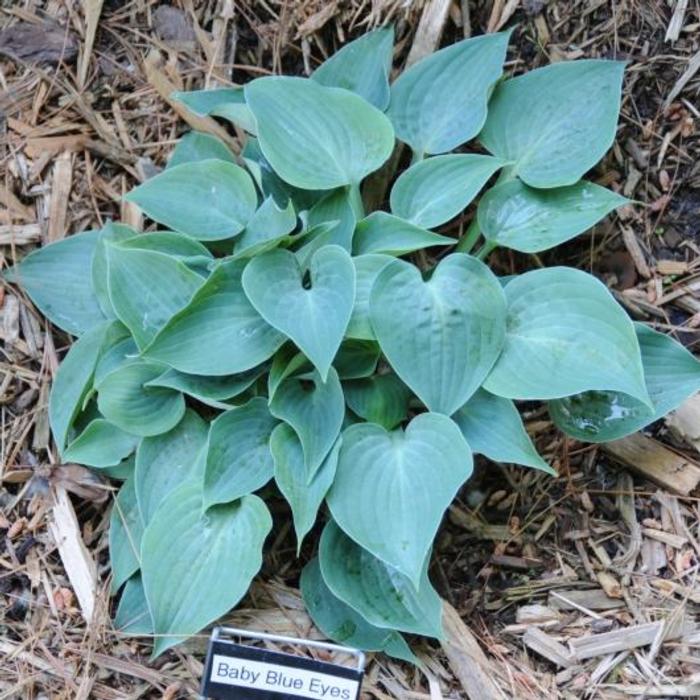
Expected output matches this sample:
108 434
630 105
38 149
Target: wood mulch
583 586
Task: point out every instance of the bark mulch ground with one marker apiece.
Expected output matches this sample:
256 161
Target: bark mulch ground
583 586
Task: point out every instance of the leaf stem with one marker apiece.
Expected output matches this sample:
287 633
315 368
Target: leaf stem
467 242
486 249
417 157
355 197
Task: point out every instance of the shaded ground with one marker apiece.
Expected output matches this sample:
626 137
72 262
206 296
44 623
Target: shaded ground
529 562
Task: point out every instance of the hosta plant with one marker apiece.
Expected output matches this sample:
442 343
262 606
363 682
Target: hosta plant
279 342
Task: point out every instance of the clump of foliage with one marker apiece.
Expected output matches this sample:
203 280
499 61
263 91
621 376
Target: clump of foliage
278 340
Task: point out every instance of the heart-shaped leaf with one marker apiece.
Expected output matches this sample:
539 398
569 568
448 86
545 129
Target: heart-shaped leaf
442 336
147 288
196 566
671 373
338 137
391 489
212 391
383 233
315 410
125 400
207 199
218 332
196 146
382 595
55 280
269 226
566 334
342 624
165 461
381 399
367 267
239 460
304 496
492 426
361 66
101 444
555 123
227 103
440 102
435 190
517 216
125 534
315 318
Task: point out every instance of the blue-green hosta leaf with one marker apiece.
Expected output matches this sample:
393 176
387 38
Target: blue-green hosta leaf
357 359
212 391
147 288
239 460
492 426
114 355
270 182
314 317
286 362
304 496
315 410
196 146
121 471
440 102
315 137
442 336
381 399
196 566
132 616
556 122
163 462
672 375
125 533
178 245
110 233
73 381
55 279
342 624
362 66
335 207
270 225
435 190
392 488
367 267
522 218
125 400
101 444
566 334
227 103
207 199
218 332
382 595
383 233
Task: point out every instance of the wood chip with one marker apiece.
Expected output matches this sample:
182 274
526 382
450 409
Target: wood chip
615 641
591 599
466 658
675 541
429 30
655 462
79 565
545 645
60 194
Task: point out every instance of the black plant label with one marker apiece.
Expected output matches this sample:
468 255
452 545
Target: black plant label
238 672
